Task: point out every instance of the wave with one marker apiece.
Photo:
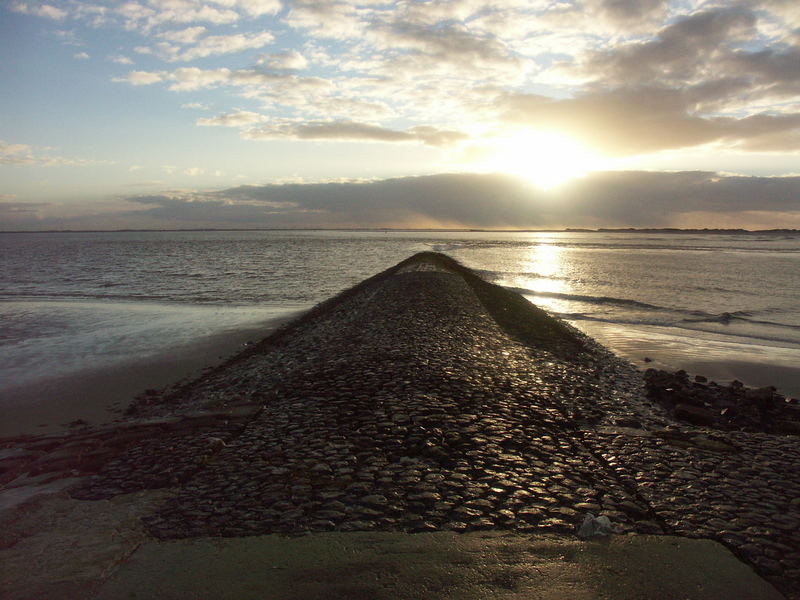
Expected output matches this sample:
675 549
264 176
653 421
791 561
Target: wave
72 296
591 299
662 315
517 274
477 244
763 336
727 318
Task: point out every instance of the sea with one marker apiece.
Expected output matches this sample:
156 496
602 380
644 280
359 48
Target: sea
75 304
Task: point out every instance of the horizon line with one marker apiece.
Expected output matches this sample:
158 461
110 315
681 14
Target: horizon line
424 229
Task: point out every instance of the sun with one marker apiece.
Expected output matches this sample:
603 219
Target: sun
545 158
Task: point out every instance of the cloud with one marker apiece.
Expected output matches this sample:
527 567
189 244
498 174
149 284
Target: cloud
285 87
604 199
213 45
81 56
678 51
626 76
290 60
21 215
446 45
194 78
776 70
350 130
643 75
68 37
149 183
707 50
500 201
237 119
631 12
634 120
330 19
329 106
120 60
189 35
21 155
47 11
153 13
17 154
257 8
140 78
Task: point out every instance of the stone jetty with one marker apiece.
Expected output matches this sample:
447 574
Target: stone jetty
426 399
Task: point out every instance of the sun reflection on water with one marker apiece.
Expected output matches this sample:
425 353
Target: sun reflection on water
544 270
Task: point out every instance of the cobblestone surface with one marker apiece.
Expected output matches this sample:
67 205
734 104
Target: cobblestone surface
746 497
406 406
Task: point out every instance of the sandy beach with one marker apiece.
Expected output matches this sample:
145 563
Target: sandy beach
100 396
422 400
756 367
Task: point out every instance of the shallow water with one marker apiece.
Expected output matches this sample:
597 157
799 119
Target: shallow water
70 303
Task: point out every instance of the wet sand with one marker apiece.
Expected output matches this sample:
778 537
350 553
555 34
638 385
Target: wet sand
100 396
719 360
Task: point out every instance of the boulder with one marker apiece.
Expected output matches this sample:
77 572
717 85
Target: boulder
697 415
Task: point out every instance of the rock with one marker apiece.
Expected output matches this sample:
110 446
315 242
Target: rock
787 426
530 515
215 444
627 421
696 415
763 394
374 500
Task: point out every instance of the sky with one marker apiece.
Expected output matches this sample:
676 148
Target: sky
169 114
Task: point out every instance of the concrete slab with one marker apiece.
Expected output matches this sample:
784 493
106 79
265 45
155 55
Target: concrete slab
377 565
62 549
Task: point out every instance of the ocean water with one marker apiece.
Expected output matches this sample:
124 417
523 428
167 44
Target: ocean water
727 306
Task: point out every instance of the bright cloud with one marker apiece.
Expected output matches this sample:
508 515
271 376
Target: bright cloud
237 119
699 77
349 130
140 78
284 61
47 11
213 45
257 8
20 155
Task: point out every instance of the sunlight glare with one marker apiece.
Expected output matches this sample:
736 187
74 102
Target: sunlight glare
545 260
545 158
544 269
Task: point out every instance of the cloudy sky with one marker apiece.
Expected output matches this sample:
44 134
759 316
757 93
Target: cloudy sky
460 113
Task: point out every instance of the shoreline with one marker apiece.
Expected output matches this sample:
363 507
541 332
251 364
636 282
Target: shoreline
100 396
747 363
